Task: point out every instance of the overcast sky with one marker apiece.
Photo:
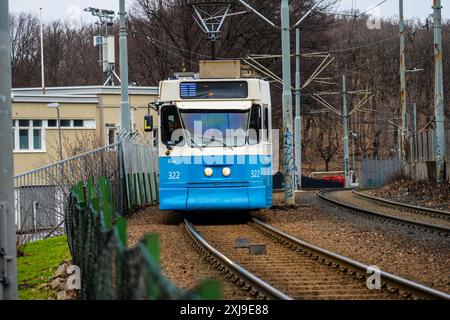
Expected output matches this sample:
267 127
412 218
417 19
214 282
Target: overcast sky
72 10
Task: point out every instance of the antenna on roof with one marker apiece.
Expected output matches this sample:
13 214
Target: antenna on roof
105 43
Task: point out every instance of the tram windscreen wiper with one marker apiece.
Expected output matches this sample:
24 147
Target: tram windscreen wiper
196 144
221 142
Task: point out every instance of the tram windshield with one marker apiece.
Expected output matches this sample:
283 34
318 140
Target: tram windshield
216 128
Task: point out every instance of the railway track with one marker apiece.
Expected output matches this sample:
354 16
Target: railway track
294 269
441 214
424 220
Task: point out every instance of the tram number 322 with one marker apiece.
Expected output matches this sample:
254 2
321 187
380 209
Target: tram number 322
174 175
255 174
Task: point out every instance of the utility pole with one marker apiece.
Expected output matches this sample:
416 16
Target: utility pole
8 258
403 80
298 117
125 112
439 92
288 147
345 117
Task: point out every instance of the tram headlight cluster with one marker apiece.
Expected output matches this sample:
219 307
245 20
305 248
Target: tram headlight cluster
226 172
209 172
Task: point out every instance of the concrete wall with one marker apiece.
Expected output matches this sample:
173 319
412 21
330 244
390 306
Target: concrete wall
424 170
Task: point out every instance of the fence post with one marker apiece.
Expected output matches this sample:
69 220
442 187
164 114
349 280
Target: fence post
8 256
123 181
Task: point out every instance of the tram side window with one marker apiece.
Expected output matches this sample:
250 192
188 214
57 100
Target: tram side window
170 122
266 124
254 136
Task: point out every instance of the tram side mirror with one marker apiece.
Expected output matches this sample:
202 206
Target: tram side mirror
148 124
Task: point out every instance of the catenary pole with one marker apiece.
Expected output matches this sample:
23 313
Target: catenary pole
402 80
8 258
345 117
439 92
298 118
125 112
288 147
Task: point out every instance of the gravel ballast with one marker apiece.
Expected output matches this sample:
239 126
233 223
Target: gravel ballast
418 256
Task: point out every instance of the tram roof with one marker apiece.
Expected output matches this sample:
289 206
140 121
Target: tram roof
258 89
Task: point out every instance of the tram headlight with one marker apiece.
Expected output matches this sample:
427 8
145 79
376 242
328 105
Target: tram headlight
209 172
226 172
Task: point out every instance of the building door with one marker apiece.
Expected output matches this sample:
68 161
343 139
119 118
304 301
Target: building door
113 132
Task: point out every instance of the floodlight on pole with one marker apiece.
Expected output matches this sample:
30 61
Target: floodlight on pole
105 42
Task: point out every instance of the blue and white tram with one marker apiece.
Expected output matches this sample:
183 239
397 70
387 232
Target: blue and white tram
215 144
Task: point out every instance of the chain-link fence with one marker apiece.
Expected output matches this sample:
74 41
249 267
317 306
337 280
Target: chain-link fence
376 173
42 194
110 270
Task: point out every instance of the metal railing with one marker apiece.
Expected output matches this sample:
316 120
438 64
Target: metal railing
41 195
141 172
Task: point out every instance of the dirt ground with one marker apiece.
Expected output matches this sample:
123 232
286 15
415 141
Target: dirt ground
424 193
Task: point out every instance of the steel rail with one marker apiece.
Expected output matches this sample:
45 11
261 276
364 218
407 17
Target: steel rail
388 278
431 227
258 284
404 206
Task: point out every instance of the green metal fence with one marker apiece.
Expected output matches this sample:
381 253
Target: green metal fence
109 269
140 165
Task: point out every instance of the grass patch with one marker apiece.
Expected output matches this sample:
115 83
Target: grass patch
37 266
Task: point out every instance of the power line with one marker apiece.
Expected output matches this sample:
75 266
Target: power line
175 54
178 48
371 8
359 47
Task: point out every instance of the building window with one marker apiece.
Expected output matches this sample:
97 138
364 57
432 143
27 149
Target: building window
24 141
52 124
37 139
68 123
28 135
78 123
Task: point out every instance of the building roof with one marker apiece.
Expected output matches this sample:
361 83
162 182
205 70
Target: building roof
82 94
36 98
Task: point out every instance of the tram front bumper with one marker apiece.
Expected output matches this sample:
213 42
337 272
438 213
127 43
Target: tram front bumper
225 198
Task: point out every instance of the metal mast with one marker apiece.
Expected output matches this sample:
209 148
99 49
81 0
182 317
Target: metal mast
345 117
105 43
298 118
403 81
288 134
8 259
42 53
439 92
125 112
